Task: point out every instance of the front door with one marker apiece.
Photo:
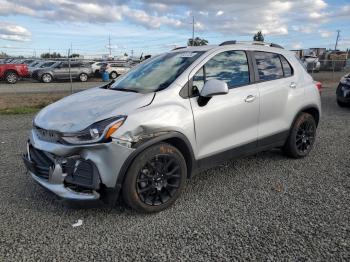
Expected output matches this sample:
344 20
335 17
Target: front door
228 121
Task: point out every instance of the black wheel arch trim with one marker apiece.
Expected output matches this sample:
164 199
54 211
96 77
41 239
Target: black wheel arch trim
141 145
305 110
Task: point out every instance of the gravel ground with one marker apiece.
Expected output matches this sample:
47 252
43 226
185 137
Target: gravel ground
263 207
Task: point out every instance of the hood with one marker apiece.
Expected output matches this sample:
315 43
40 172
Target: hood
78 111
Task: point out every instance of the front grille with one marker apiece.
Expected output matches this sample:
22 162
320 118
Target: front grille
42 162
47 135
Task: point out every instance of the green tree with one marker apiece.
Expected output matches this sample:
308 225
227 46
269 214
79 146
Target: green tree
125 54
3 55
74 55
197 41
258 37
51 55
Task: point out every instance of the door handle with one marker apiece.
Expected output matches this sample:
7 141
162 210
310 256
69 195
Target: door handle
293 85
249 98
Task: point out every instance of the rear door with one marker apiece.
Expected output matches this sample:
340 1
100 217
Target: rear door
277 86
227 121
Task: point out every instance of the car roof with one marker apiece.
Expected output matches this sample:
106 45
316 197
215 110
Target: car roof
253 46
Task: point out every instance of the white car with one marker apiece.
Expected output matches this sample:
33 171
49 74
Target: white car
115 69
96 66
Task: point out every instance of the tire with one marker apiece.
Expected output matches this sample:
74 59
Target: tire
342 104
155 179
11 77
83 77
301 136
46 78
113 75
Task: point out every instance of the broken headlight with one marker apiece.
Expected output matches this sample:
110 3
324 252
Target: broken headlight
97 132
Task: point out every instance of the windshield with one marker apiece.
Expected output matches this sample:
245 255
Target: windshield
157 73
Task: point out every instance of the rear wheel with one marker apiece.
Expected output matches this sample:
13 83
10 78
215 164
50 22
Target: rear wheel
11 77
114 75
155 179
46 78
301 137
83 77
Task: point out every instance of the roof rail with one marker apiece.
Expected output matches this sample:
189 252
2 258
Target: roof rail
180 47
232 42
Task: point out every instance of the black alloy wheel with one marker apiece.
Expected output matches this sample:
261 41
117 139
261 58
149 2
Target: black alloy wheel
158 180
301 136
155 178
305 137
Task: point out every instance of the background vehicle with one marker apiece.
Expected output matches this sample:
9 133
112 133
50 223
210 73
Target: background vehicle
343 91
312 63
96 66
181 112
12 72
115 69
61 71
41 65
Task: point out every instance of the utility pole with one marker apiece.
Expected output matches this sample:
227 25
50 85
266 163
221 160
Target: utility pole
336 41
132 53
193 30
109 46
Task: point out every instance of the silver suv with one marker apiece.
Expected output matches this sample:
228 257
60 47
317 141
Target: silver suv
63 71
142 135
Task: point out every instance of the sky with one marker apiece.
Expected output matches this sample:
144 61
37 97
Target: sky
32 27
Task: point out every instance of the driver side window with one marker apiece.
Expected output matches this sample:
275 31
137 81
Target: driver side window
229 66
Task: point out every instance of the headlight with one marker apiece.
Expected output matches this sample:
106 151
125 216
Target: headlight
99 131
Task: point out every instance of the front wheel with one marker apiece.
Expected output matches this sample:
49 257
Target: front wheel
301 137
46 78
83 77
11 77
155 179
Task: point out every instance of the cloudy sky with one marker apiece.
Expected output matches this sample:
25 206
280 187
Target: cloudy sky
151 26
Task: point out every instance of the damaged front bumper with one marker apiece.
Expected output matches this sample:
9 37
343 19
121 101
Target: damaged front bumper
75 172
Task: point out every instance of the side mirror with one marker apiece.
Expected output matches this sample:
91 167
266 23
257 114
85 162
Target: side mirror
214 87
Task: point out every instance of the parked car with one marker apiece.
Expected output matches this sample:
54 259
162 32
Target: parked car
343 91
145 133
41 65
13 72
61 71
115 69
312 63
96 66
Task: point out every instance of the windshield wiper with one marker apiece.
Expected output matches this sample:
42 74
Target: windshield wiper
126 90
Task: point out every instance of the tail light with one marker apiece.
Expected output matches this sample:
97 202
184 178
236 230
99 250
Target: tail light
318 85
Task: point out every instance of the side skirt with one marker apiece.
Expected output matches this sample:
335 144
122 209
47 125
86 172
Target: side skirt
264 144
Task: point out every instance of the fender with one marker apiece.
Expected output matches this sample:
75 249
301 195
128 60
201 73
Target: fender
112 194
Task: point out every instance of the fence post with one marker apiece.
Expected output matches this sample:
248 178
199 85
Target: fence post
70 74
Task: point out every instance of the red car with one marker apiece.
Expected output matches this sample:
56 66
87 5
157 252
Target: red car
12 72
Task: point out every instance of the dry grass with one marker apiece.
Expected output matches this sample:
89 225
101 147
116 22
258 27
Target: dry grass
26 103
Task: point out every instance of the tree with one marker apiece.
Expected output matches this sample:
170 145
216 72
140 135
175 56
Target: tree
197 42
3 55
258 37
125 54
74 55
51 55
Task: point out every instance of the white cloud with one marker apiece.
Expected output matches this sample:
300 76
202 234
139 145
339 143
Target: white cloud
219 13
325 33
239 17
13 32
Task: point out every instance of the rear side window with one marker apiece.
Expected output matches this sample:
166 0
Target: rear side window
287 69
269 66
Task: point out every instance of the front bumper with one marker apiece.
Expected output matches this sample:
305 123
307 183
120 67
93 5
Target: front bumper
75 172
343 93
